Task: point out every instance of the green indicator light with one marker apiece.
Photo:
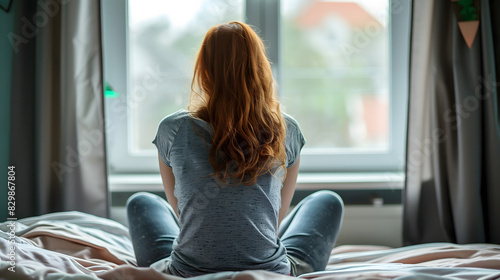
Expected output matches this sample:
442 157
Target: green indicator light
109 92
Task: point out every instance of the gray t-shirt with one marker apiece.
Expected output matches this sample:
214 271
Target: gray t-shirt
222 228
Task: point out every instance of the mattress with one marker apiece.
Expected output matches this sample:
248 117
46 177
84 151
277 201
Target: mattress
74 245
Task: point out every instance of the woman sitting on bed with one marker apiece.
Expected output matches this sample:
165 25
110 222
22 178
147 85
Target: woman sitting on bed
229 167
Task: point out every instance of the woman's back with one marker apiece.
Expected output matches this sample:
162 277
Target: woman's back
222 227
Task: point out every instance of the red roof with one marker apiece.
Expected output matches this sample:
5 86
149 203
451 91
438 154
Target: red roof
352 13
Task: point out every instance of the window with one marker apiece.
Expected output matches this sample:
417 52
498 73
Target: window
341 67
335 79
337 58
166 35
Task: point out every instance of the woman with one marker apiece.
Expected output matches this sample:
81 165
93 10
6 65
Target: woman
229 167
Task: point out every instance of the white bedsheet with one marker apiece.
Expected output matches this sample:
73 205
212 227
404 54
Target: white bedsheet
75 245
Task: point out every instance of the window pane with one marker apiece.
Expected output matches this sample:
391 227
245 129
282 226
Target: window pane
335 63
164 37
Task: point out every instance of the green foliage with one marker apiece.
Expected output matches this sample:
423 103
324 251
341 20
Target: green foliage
468 11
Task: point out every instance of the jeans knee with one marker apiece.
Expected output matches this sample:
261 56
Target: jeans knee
330 199
137 199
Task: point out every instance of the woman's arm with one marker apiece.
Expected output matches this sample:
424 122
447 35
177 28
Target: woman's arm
288 189
167 176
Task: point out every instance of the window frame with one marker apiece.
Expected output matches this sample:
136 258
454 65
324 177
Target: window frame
265 15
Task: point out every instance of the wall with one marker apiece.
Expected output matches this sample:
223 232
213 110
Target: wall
372 225
6 54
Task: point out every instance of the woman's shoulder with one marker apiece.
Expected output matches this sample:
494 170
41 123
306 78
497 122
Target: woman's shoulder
172 123
291 123
293 131
175 118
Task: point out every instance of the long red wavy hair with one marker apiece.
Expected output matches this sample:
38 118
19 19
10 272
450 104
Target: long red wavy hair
233 90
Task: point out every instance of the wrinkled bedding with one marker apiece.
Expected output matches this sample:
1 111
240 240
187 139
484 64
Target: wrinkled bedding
75 245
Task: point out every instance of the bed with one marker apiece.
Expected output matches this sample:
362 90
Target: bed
75 245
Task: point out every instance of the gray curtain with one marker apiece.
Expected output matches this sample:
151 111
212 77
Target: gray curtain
57 119
452 191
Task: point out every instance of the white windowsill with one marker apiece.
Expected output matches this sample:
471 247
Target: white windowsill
305 181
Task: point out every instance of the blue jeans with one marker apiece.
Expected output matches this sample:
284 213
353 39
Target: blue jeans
308 232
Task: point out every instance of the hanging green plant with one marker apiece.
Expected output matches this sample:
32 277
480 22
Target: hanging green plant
468 11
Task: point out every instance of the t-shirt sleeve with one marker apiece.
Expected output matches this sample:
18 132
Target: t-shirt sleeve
294 141
165 135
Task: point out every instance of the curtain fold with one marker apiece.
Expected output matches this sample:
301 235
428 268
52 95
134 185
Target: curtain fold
57 120
452 190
